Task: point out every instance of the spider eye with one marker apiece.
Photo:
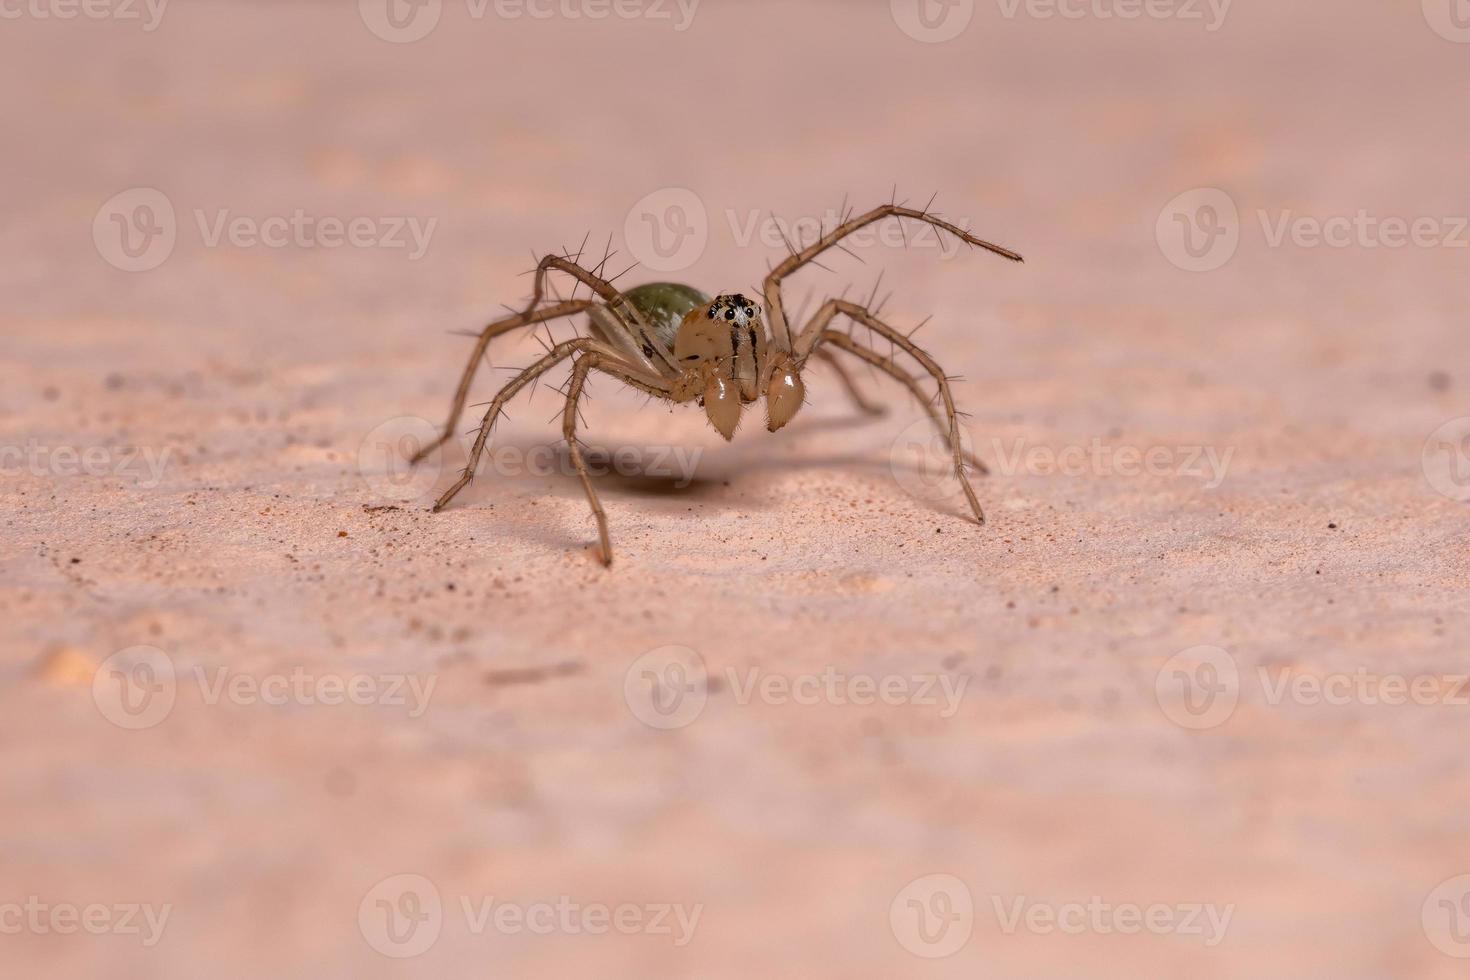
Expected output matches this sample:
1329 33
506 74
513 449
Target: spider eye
729 314
712 311
750 311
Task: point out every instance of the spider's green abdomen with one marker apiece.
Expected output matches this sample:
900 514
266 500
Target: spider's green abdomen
664 304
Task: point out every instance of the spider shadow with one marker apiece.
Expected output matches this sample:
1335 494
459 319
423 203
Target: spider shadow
663 476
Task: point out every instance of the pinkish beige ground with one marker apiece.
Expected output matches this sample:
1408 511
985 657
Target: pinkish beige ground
1142 723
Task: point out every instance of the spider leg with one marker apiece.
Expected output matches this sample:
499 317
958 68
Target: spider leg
598 361
910 382
552 357
816 332
776 313
504 325
617 304
849 385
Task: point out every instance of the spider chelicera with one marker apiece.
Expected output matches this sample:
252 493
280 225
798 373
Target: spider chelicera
677 344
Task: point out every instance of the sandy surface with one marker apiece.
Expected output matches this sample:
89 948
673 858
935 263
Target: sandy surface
501 745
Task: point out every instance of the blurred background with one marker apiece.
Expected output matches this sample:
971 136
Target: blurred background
263 715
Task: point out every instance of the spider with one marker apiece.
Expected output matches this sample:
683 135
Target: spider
677 344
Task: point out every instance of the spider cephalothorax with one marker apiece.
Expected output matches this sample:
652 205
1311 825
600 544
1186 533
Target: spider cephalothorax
721 350
675 343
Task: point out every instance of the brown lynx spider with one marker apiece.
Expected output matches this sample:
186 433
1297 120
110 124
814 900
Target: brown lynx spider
674 343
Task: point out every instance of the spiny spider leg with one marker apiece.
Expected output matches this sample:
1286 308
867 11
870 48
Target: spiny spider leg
882 363
617 304
556 355
845 378
596 361
775 312
505 325
815 332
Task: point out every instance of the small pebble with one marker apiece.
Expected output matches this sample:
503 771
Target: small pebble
66 666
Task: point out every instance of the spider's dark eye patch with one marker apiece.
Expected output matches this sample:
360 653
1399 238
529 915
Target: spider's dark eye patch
750 311
729 314
713 310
